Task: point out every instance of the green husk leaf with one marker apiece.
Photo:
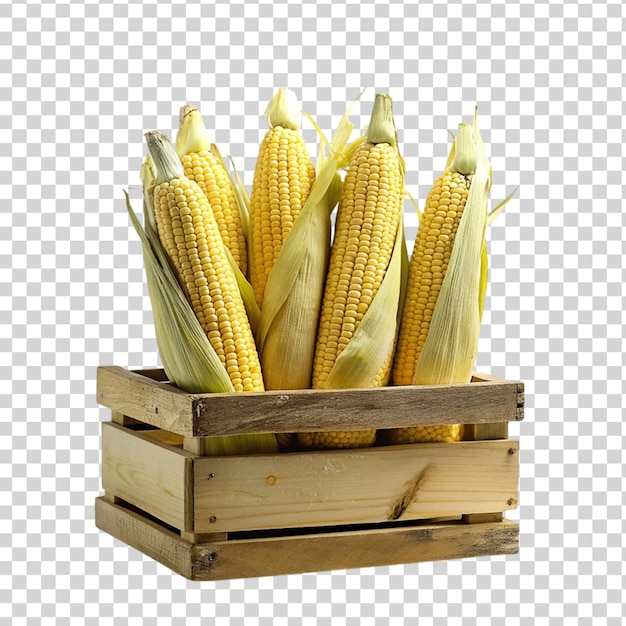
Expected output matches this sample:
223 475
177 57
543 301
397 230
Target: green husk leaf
484 278
243 199
294 290
147 175
450 350
283 110
245 288
381 127
373 341
188 358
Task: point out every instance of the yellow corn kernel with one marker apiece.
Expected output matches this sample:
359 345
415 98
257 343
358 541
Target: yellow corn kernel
429 261
365 235
283 177
211 176
425 434
443 210
337 439
190 235
207 169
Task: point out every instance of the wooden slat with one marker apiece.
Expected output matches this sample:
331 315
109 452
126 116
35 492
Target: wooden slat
203 415
416 481
476 432
482 518
355 409
123 420
164 436
154 373
148 474
148 537
280 555
145 399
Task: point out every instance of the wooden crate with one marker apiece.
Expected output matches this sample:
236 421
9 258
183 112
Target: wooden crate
212 518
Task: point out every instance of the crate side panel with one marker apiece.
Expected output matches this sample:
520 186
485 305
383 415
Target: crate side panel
145 399
280 555
149 475
356 409
418 481
350 550
144 535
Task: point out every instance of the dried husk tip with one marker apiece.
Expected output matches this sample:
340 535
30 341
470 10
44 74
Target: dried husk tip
192 135
283 110
382 128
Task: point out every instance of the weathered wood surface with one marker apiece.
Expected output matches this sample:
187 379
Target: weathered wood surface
151 475
496 430
418 481
279 555
145 399
201 415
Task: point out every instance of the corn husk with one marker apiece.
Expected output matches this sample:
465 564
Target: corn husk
371 346
293 293
373 342
189 360
451 347
192 136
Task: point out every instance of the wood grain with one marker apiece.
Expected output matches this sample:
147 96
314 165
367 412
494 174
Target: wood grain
145 399
202 415
147 473
280 555
407 482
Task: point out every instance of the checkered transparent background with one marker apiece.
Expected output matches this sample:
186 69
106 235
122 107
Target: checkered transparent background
82 82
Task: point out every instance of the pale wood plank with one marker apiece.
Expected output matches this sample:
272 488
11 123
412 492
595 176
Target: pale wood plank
123 420
195 445
149 475
202 415
483 377
145 535
482 518
145 399
154 373
355 409
164 436
350 550
476 432
203 537
354 486
280 555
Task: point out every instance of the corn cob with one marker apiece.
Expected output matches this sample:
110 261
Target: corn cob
292 300
206 168
283 177
366 233
191 237
452 351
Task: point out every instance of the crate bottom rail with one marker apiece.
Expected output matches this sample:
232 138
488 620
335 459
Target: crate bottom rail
242 556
